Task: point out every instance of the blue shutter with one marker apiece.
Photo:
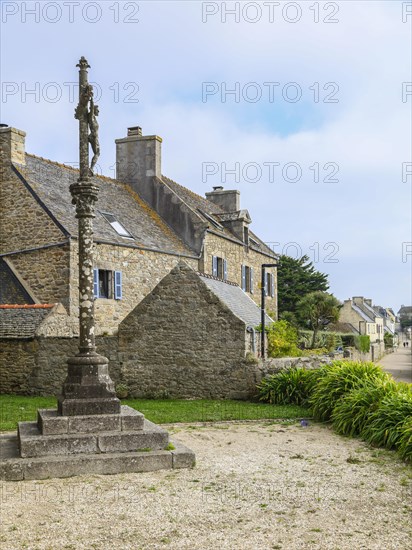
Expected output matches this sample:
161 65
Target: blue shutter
251 279
214 266
224 270
267 284
272 285
118 285
243 277
96 283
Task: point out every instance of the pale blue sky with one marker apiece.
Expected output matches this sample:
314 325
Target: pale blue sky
162 57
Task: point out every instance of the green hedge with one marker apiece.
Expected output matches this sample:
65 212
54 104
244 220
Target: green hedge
359 398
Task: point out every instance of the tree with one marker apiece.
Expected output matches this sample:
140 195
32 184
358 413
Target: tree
296 279
318 309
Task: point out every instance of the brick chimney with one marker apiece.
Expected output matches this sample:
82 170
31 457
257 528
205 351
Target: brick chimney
12 144
228 200
138 158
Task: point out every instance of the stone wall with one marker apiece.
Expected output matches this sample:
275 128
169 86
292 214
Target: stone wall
24 223
184 344
47 273
236 256
39 366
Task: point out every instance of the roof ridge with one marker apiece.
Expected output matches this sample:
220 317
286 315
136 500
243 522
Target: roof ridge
77 170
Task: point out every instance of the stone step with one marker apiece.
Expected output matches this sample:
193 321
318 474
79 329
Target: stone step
14 468
32 443
51 423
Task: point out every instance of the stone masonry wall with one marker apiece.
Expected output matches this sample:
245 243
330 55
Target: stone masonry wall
184 345
39 366
24 223
236 255
47 273
141 271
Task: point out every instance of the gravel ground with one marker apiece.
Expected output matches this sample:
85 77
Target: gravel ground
255 486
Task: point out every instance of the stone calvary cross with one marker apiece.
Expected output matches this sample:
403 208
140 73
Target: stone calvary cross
90 432
88 388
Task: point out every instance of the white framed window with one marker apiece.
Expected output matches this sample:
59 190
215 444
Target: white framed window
247 278
107 284
219 267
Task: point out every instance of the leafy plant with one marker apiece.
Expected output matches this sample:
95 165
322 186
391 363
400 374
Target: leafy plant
282 340
386 425
363 343
340 377
353 410
290 386
317 310
405 439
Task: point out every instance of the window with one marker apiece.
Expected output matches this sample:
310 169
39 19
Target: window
107 284
270 285
219 267
117 226
247 278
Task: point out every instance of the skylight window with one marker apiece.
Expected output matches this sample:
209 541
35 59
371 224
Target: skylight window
117 226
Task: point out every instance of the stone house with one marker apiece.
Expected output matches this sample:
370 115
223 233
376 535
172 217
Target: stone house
145 224
358 313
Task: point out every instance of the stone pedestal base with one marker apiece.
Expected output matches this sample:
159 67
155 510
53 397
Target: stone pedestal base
88 388
64 446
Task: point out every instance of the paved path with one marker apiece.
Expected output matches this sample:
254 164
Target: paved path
399 364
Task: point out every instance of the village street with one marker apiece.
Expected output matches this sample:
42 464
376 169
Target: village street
399 363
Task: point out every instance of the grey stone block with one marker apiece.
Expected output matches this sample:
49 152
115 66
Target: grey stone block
33 444
94 423
51 423
182 456
132 420
113 463
124 442
89 406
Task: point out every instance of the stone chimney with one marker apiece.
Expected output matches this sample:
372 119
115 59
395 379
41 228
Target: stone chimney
12 144
228 200
368 302
138 158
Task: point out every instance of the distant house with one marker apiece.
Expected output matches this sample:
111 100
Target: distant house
405 316
145 224
359 314
389 319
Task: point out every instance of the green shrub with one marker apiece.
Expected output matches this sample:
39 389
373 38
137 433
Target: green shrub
353 410
385 426
405 440
363 343
282 340
348 340
388 339
291 386
340 377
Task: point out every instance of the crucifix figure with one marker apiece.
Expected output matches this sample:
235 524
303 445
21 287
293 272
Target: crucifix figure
94 135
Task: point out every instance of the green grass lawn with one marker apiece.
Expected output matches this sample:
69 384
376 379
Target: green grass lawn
14 408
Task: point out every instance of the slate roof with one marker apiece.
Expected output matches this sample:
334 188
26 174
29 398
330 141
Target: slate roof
11 290
201 204
17 322
236 299
363 314
51 182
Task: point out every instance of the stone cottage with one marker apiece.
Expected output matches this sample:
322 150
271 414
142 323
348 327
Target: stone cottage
145 223
358 313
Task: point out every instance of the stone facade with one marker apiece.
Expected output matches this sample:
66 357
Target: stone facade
237 255
359 313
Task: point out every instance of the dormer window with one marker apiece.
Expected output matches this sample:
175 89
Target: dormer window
117 226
